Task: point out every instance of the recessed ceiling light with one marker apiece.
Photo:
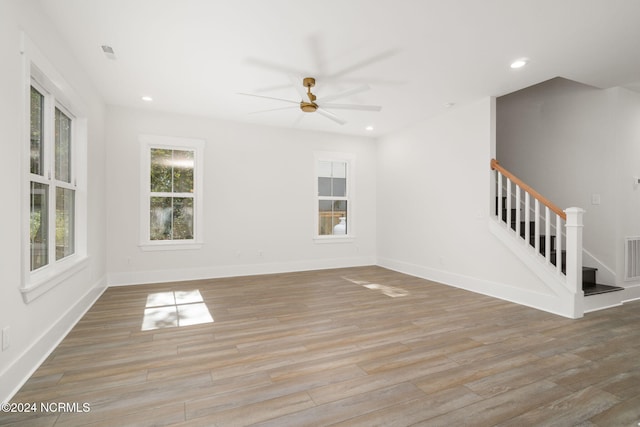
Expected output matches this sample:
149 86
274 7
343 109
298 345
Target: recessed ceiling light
519 63
147 98
369 128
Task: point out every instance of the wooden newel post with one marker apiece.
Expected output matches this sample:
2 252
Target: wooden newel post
574 227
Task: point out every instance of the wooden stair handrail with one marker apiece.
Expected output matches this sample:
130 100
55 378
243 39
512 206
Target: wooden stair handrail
496 166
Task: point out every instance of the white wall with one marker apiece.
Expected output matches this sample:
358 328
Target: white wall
35 328
258 202
571 141
434 199
627 166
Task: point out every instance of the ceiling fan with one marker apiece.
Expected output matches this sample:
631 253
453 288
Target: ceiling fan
310 104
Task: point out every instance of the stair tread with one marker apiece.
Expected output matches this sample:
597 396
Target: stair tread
597 288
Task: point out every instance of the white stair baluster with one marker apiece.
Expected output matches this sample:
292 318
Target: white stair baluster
499 211
527 217
547 234
558 244
536 219
518 232
508 203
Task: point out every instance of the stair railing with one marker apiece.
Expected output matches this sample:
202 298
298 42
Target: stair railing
511 190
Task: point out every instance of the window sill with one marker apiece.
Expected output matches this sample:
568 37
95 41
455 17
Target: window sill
41 282
170 246
334 239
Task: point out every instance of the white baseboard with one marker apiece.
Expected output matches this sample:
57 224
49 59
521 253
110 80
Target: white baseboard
631 293
546 302
14 377
184 274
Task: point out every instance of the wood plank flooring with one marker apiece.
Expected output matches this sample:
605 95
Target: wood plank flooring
346 347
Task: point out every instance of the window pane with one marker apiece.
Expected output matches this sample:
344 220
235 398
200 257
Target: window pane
330 214
160 218
37 146
63 146
161 170
39 225
65 219
339 187
324 186
338 169
182 171
182 218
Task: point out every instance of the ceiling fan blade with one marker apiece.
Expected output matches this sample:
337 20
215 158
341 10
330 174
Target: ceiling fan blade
272 66
365 62
351 107
298 120
273 109
272 88
269 97
330 116
347 93
316 47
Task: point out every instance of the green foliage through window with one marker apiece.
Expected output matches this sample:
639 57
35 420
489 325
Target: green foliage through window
172 188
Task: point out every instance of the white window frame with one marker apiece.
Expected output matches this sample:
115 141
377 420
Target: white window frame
43 76
147 142
349 159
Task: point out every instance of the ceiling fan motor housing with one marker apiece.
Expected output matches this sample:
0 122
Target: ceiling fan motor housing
308 107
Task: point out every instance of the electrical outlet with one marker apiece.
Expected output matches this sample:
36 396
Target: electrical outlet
5 338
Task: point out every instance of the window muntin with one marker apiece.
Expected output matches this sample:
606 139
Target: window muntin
333 197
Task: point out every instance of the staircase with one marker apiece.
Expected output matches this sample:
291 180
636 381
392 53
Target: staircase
590 286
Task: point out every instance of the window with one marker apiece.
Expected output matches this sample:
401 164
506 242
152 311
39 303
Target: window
52 213
171 192
334 209
54 208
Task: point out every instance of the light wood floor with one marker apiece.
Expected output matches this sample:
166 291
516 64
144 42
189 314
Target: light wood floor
349 347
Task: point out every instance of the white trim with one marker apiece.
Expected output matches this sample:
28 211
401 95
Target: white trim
52 278
177 143
40 73
15 375
177 275
169 245
541 301
334 239
631 293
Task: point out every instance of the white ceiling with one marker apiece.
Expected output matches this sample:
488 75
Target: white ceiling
195 56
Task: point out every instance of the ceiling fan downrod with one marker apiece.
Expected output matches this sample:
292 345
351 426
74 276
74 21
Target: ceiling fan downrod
309 107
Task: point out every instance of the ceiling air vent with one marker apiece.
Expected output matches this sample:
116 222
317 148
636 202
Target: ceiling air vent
108 51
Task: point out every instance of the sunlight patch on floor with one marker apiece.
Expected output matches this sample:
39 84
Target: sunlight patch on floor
175 309
390 291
